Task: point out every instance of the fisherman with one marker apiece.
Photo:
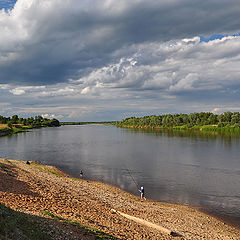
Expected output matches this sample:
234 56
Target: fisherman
141 190
81 173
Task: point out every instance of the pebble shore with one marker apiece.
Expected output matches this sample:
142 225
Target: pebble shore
34 189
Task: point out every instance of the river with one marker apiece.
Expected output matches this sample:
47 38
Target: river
192 168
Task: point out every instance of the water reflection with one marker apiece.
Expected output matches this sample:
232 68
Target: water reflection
222 136
187 167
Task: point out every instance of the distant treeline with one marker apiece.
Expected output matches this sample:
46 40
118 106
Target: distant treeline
84 123
37 121
181 121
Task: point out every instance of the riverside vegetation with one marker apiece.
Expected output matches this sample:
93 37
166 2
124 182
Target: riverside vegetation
14 124
86 123
204 121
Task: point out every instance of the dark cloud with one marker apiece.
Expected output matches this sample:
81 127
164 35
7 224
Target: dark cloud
80 59
52 42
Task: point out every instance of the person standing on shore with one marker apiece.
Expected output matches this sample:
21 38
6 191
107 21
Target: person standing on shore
142 193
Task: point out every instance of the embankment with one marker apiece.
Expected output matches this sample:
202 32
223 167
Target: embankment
44 191
5 131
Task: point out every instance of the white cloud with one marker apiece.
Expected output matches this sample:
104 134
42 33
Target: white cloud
85 90
46 42
220 110
4 86
23 90
185 65
133 54
191 40
54 91
17 91
46 115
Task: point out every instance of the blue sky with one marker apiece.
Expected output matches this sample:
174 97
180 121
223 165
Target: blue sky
7 4
94 60
215 37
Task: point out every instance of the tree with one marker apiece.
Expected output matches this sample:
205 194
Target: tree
15 119
55 122
212 119
9 124
235 118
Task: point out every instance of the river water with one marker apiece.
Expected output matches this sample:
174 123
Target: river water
192 168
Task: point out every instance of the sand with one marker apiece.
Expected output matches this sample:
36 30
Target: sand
36 189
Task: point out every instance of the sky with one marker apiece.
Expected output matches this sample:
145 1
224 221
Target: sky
103 60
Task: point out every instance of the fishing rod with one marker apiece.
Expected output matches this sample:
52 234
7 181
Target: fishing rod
132 177
140 190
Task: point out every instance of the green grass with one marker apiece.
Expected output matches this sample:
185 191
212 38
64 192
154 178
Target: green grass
53 216
5 131
97 233
2 166
17 225
55 173
7 169
46 169
18 130
75 179
9 162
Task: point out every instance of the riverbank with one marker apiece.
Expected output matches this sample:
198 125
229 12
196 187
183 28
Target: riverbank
15 124
44 191
5 130
227 122
214 129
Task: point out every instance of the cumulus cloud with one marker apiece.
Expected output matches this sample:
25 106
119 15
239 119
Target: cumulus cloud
23 90
17 91
46 115
183 65
220 110
46 42
148 74
81 59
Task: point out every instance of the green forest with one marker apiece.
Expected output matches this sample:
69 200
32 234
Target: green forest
37 121
201 121
14 124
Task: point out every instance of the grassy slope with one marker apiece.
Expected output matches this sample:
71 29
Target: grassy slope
210 128
4 130
19 225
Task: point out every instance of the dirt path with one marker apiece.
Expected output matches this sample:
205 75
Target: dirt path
38 189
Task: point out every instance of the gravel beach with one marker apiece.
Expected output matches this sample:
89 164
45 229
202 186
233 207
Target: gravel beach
35 189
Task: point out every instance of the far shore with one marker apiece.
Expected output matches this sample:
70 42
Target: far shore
39 189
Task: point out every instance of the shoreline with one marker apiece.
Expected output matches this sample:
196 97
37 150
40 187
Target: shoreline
35 188
205 129
230 220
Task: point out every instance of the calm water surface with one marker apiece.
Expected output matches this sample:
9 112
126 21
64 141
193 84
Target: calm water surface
187 168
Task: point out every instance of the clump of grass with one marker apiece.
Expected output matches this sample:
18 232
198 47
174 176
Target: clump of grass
75 179
17 225
97 233
48 169
18 130
6 160
55 173
7 170
53 216
2 166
